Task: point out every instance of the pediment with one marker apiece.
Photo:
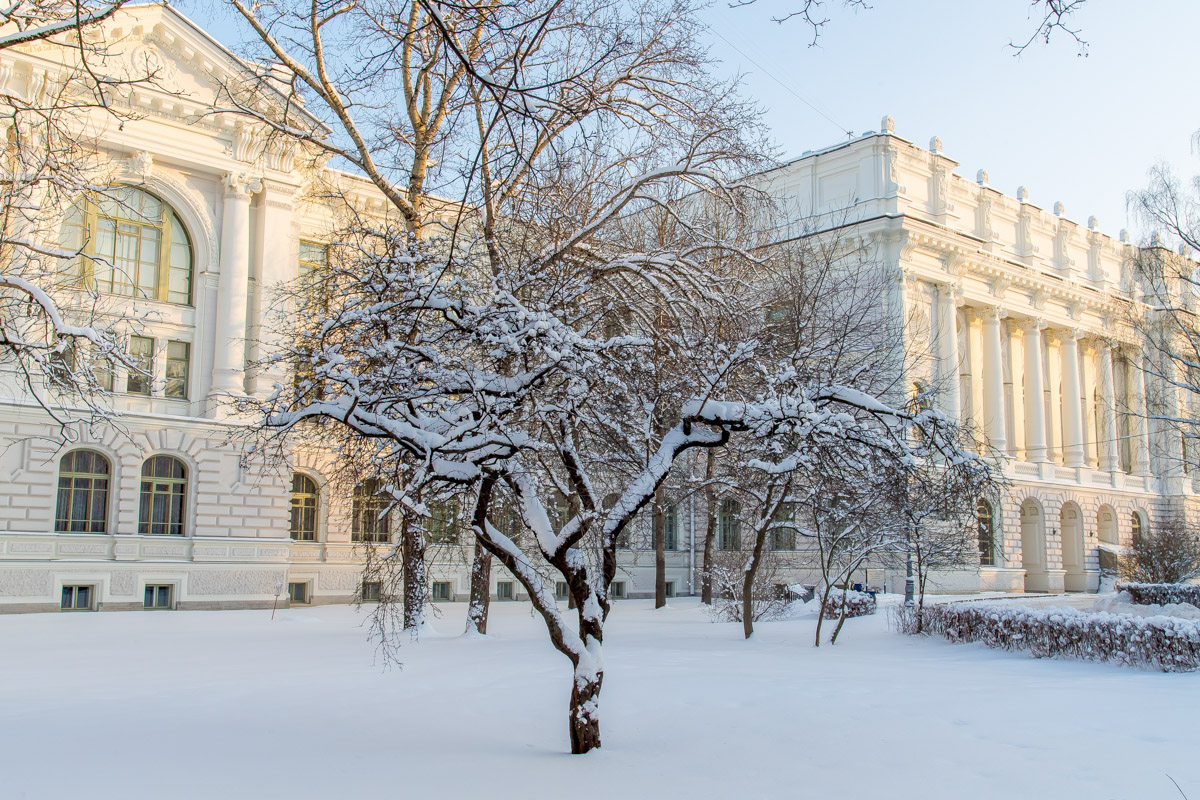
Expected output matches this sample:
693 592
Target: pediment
189 65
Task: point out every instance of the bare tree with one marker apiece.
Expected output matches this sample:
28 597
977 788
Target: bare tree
1169 552
58 334
1167 314
1049 17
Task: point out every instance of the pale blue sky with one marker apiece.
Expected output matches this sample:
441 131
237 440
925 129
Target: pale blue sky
1080 130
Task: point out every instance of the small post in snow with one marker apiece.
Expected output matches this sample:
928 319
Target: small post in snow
278 590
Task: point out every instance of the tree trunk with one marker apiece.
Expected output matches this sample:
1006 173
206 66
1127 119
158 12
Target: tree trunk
760 538
585 712
481 598
412 540
821 611
710 531
660 546
841 617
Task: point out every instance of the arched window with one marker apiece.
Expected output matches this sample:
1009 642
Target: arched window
130 243
82 493
985 521
728 525
371 522
1136 525
164 487
306 498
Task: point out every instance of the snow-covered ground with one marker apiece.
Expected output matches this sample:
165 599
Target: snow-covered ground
232 705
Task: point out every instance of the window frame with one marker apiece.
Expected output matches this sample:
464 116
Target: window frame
146 362
156 589
186 378
362 501
984 510
783 537
73 475
671 527
315 508
74 590
443 596
505 590
146 522
729 525
305 593
86 216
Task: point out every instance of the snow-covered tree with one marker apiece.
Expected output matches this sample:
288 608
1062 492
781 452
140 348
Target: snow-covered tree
545 343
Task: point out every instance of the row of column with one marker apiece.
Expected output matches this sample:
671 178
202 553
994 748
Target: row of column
1069 376
276 263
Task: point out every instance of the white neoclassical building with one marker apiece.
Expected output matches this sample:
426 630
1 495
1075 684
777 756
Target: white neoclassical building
1017 316
1018 306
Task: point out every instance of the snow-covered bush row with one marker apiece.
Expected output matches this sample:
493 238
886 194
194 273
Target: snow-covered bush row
1161 594
858 604
1165 643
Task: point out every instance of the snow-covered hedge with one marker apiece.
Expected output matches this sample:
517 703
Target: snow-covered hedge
1161 594
858 604
1166 643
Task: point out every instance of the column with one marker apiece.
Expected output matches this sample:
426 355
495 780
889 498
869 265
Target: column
277 259
1108 445
948 358
1088 383
993 380
1035 396
1015 402
1053 390
1137 419
229 357
1072 410
1170 440
973 368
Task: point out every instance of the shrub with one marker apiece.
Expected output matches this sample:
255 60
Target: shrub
769 597
1161 594
1169 552
1165 643
858 604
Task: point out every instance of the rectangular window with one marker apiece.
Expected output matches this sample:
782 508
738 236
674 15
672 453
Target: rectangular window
441 590
141 374
671 534
504 590
670 588
157 596
76 598
177 370
618 589
371 591
560 590
313 258
104 378
298 593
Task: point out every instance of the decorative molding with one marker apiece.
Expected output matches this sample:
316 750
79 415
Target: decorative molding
234 581
123 583
140 165
240 184
24 583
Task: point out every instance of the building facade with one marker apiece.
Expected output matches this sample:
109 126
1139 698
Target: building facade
1018 317
1016 313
